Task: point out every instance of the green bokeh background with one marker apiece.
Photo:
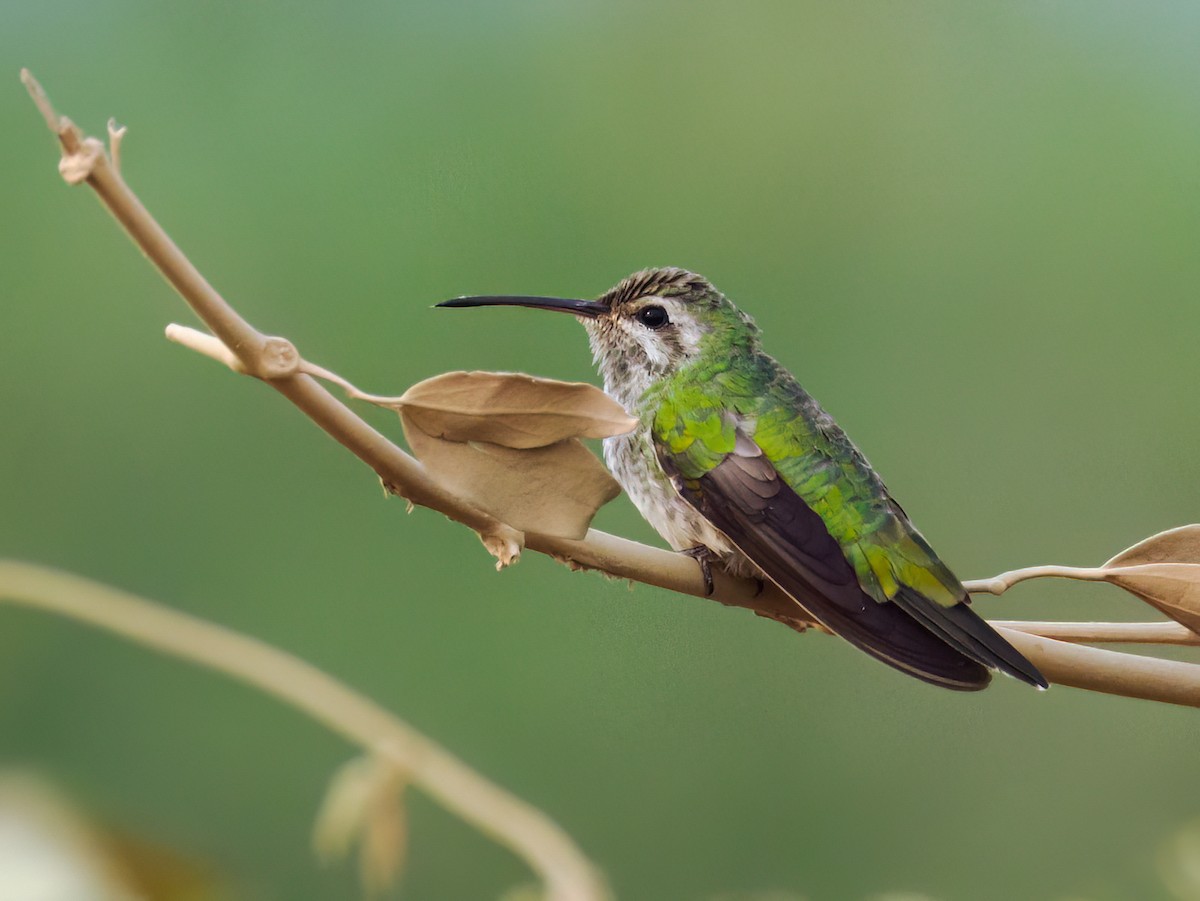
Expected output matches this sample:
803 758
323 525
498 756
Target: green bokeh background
970 229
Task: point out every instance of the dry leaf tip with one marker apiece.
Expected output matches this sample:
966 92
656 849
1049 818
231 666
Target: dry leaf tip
505 546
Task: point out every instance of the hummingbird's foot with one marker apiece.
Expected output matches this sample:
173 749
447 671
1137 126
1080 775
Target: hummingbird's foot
703 555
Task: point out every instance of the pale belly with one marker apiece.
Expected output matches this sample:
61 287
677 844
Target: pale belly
635 466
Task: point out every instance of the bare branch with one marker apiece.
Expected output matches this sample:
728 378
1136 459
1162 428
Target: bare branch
400 472
1106 633
1131 675
627 559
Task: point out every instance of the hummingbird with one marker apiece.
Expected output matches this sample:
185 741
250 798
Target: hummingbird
734 463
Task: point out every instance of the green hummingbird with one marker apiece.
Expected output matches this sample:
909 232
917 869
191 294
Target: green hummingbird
733 462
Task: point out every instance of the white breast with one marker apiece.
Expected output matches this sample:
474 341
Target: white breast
635 466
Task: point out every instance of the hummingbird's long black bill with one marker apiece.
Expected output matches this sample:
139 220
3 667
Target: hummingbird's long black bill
590 308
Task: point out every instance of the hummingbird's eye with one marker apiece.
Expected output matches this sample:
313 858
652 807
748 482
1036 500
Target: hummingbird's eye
654 317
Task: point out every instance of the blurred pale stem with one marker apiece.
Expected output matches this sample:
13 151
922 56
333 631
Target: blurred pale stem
507 819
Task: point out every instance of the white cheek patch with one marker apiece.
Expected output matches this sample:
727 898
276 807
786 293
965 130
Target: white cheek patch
690 332
650 352
651 345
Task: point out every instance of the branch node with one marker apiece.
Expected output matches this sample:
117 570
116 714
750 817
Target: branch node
277 359
990 586
77 166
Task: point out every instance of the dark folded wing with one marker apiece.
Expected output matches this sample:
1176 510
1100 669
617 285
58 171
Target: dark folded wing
747 499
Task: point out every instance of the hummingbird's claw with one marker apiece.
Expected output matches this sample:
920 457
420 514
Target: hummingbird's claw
702 555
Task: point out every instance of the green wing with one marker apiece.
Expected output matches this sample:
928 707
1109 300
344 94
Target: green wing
759 459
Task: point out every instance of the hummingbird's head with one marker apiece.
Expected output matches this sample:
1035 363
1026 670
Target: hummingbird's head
648 325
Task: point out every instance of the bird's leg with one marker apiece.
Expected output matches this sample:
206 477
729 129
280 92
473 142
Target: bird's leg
703 555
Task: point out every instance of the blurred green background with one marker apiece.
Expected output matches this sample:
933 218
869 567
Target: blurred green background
970 229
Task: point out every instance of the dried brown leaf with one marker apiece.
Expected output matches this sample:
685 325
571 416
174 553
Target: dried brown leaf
508 444
1172 588
385 838
365 803
510 409
554 490
344 808
1164 571
505 544
1181 545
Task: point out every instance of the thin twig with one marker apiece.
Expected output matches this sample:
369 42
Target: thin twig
1106 633
1001 583
507 819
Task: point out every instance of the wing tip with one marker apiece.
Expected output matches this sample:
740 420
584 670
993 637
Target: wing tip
1029 674
970 634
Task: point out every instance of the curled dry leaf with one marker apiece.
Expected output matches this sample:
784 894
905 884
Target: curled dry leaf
343 809
510 409
555 490
385 838
509 444
1180 545
1164 571
505 544
365 803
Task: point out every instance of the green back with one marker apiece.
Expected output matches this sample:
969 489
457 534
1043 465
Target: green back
693 415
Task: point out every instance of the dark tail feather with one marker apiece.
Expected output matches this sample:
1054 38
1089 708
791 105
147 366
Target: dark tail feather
965 631
892 636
